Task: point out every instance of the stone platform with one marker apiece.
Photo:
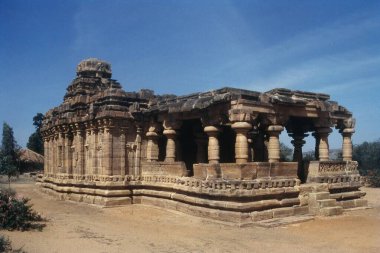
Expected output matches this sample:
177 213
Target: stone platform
228 197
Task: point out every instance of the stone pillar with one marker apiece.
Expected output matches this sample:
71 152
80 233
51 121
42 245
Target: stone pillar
297 142
170 145
323 149
241 143
274 143
88 151
80 151
61 152
107 151
316 148
213 144
68 156
152 145
347 144
201 142
52 143
55 154
50 152
100 149
46 147
74 153
138 151
51 155
94 142
123 151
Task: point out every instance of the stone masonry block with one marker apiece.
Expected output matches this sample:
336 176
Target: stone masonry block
118 201
262 215
361 202
283 212
319 195
301 210
330 211
327 203
346 203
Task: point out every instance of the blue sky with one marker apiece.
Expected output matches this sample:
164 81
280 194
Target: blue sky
186 46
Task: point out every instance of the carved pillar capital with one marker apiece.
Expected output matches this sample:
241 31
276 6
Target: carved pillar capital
241 126
169 133
77 129
274 120
348 123
323 131
298 139
212 130
241 115
348 131
171 124
151 135
275 129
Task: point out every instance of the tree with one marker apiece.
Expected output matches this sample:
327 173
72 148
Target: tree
8 167
285 153
9 153
309 156
367 155
37 120
35 142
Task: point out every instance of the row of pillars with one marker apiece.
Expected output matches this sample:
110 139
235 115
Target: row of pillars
213 149
242 147
88 151
322 144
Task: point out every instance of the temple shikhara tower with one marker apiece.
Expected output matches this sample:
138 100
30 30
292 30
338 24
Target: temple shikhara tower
213 154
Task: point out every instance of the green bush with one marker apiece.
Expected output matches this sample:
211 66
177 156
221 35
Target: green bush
17 213
374 178
5 244
368 156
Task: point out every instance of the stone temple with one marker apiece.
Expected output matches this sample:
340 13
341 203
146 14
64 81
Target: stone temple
213 154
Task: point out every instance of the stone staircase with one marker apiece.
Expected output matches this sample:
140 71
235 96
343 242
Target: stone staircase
321 204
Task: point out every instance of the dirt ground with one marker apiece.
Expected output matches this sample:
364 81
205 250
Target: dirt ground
78 227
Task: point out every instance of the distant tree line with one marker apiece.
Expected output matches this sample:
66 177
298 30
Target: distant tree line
367 155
